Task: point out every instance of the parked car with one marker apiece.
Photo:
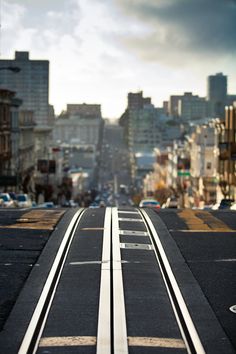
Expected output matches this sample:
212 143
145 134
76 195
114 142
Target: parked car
172 202
70 204
226 203
233 206
215 206
23 201
46 205
6 201
150 203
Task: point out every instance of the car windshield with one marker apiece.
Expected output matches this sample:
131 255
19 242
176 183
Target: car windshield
21 198
150 203
5 198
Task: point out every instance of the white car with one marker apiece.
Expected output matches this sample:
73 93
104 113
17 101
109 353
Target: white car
6 201
233 206
150 203
23 201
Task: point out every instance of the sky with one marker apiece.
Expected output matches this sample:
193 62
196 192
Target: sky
99 50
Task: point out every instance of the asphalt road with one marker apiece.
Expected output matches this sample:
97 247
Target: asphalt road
200 246
207 241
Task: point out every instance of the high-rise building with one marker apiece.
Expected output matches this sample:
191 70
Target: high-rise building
142 123
192 107
173 105
217 94
31 84
137 101
85 110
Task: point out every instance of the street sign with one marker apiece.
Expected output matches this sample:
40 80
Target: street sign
183 173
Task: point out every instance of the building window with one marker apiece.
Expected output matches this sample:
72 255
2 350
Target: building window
208 165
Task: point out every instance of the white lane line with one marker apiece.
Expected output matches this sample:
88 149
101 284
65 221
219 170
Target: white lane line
184 310
119 318
104 314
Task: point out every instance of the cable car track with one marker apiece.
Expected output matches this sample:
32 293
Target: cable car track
112 329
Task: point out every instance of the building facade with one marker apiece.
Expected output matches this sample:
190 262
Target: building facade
204 154
227 156
192 107
217 94
31 84
6 97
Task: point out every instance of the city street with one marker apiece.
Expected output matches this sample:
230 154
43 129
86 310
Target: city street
196 257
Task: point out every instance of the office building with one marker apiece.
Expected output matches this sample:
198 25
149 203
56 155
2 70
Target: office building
217 94
31 84
192 107
85 110
81 123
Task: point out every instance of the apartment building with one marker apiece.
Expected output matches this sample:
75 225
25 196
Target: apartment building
227 155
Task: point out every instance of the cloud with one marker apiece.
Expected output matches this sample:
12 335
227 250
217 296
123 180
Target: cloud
99 50
180 29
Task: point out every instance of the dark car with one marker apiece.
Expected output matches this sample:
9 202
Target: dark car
226 203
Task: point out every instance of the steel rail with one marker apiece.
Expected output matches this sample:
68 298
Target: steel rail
104 334
112 331
120 342
184 320
36 325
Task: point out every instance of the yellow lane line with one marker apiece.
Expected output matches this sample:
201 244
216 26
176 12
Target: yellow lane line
36 220
212 221
203 221
192 231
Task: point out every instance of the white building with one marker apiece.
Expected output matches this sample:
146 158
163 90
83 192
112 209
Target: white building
83 130
204 154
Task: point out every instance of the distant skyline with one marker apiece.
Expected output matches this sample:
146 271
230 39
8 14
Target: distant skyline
99 50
